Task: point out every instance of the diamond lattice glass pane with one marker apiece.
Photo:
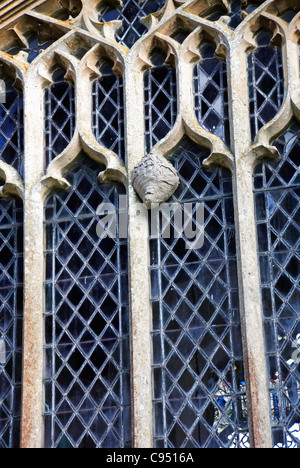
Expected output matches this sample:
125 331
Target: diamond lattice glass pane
160 95
210 93
108 110
290 14
266 82
35 45
236 10
277 195
198 378
131 13
11 311
11 125
87 378
60 115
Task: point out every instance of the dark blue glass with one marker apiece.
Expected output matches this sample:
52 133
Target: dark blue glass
11 125
11 268
211 93
60 115
160 98
277 196
35 46
266 82
87 361
11 313
236 10
131 13
108 110
198 377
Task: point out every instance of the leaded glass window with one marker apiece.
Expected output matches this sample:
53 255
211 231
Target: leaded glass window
108 110
35 42
160 93
236 12
11 311
131 13
11 262
60 115
87 381
266 81
11 125
211 353
276 186
199 384
211 93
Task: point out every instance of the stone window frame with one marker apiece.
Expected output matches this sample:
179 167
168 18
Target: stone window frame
16 17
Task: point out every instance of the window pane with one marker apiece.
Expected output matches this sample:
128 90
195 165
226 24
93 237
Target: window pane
87 378
60 115
277 195
108 110
198 377
160 94
36 45
237 9
266 82
11 312
11 125
130 14
11 270
211 95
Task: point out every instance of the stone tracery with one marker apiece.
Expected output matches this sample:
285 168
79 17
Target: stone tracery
69 34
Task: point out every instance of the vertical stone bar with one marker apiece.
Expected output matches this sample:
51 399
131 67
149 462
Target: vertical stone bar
139 267
248 267
31 425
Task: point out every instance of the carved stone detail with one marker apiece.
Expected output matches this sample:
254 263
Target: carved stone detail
155 179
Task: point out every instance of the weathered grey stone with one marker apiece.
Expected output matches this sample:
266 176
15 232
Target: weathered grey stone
155 179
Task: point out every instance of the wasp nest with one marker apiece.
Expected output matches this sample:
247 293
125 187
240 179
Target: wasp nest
155 179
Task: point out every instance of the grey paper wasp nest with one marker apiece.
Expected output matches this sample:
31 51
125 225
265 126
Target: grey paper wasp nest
155 179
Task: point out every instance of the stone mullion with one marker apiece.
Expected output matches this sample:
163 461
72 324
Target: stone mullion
32 383
292 70
140 309
248 267
186 103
